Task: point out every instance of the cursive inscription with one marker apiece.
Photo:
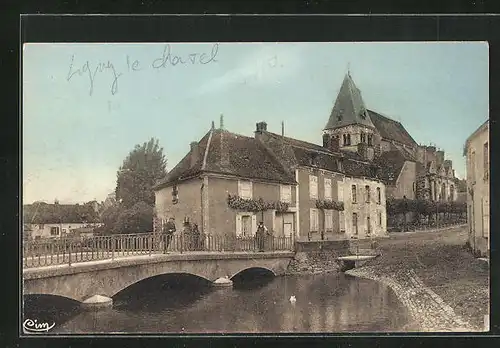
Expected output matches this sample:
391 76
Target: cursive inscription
191 58
91 71
34 326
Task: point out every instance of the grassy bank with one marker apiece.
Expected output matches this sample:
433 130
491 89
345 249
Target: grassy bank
444 265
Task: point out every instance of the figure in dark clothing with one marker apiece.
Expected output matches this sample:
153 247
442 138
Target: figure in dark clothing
261 236
169 230
187 235
196 237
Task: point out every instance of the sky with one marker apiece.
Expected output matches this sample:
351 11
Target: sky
85 106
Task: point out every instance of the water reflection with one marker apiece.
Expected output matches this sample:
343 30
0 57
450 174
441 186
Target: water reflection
325 303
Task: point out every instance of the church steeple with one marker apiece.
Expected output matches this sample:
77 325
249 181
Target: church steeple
349 107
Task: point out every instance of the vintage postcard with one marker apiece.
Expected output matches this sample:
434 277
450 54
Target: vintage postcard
193 188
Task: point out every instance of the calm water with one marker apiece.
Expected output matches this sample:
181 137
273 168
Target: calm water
257 304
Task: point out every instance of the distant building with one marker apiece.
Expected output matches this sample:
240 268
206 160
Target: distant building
477 155
42 220
408 169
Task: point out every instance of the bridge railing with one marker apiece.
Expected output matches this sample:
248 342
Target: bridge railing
41 253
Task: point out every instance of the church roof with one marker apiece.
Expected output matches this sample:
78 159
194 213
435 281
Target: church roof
390 129
245 157
349 107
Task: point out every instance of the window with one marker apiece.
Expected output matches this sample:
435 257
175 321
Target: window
370 139
355 223
245 189
485 161
313 187
363 137
344 137
286 193
348 139
246 224
379 218
328 188
367 190
473 166
452 193
413 186
175 194
328 220
353 193
54 231
368 226
314 220
379 196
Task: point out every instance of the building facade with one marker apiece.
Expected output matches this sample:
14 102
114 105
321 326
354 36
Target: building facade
222 165
313 181
477 155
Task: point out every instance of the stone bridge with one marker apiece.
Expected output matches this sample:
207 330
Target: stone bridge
82 281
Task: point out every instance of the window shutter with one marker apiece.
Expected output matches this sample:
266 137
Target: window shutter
328 220
328 188
342 221
254 224
486 217
313 186
238 225
340 189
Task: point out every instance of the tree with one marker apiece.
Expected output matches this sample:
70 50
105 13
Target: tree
141 169
133 211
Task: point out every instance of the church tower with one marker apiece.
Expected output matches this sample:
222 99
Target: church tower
349 125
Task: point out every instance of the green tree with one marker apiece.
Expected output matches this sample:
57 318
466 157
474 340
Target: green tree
133 211
141 169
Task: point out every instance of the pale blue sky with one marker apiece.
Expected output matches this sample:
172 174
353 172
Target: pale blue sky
74 141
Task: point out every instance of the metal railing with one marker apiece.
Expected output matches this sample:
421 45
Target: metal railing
39 253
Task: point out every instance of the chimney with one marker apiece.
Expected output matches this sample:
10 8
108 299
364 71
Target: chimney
261 127
194 153
221 121
213 125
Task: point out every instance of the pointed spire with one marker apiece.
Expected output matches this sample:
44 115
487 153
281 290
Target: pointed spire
282 128
213 125
349 107
221 121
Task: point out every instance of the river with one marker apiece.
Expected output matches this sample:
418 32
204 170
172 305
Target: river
328 303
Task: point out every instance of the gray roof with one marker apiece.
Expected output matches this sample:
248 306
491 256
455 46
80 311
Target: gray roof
349 107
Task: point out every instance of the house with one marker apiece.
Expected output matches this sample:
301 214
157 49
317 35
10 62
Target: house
477 154
408 169
324 174
51 221
303 184
224 164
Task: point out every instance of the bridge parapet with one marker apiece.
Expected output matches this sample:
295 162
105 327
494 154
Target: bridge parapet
77 250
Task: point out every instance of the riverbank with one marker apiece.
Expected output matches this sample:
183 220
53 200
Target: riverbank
443 286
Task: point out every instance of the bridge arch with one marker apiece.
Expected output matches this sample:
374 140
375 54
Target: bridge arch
268 270
108 279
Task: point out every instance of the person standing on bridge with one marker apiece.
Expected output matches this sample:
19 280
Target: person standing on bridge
261 236
169 232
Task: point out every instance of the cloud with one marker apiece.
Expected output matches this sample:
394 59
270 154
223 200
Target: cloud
269 64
